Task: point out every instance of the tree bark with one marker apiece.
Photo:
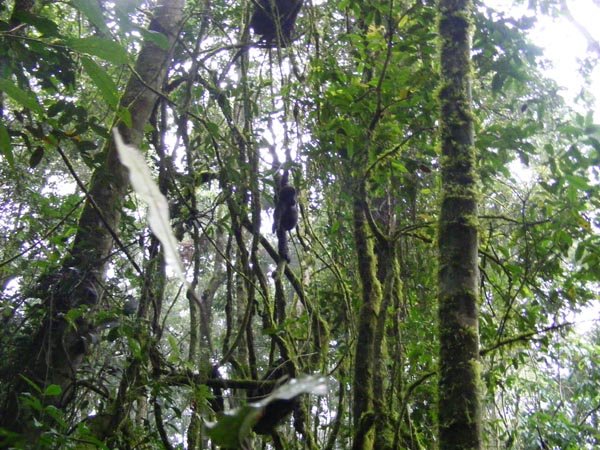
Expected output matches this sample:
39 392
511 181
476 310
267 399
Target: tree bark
364 363
57 350
391 283
459 397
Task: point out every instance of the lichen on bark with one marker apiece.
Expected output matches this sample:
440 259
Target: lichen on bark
459 406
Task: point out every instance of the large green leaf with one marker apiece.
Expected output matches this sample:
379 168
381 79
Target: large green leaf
102 48
91 9
105 84
42 24
26 99
5 145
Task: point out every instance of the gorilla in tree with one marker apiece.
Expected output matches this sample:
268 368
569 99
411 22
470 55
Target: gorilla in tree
274 20
286 214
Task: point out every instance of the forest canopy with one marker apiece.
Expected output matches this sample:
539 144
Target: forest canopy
386 213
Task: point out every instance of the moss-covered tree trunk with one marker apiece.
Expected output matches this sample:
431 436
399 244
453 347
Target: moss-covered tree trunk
364 362
459 403
389 276
58 349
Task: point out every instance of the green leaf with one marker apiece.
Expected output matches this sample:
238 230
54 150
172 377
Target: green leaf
33 402
36 157
56 108
107 87
135 348
42 24
73 314
175 354
399 166
31 383
213 129
91 9
56 414
102 48
232 427
86 146
53 390
5 145
335 227
578 182
125 115
25 99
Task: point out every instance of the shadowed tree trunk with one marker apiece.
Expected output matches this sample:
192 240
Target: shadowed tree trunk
58 348
459 400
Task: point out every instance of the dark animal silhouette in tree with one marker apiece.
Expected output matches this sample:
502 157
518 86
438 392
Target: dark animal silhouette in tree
274 20
277 410
286 214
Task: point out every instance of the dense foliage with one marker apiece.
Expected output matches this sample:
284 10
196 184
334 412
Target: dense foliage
103 348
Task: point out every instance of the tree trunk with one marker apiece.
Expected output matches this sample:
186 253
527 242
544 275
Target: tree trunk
391 282
364 363
58 348
459 397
